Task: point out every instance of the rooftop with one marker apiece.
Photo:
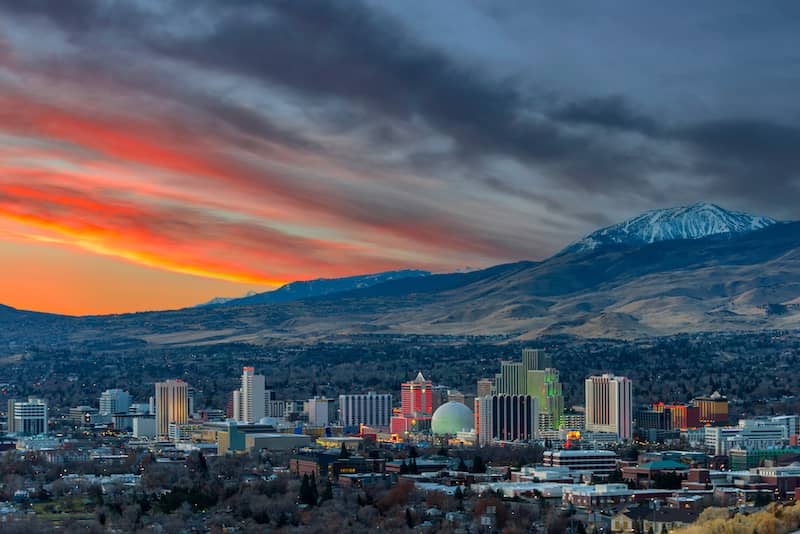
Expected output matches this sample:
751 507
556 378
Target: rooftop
580 453
664 465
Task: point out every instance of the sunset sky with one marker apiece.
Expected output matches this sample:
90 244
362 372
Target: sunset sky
157 154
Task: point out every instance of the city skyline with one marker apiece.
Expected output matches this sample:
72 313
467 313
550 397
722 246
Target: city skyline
153 157
368 266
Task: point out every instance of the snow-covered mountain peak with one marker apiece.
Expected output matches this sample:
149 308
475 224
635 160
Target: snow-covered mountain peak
686 222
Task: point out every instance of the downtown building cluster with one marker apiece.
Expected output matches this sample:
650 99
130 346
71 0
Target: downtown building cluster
525 402
522 403
366 438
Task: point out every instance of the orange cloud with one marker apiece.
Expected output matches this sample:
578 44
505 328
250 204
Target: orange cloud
201 160
177 240
167 196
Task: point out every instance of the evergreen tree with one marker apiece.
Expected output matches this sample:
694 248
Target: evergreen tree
409 518
314 491
202 464
327 492
344 453
412 469
461 465
304 489
477 465
306 493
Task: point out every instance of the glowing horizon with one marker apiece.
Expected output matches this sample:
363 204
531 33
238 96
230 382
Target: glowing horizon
155 157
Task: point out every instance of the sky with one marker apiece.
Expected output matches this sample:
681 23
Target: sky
157 154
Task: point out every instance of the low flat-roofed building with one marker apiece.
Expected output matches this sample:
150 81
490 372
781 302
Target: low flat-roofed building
561 474
784 479
600 496
275 442
424 465
351 443
551 490
231 436
746 459
645 473
585 461
328 465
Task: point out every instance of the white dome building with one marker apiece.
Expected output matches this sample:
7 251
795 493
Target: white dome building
451 418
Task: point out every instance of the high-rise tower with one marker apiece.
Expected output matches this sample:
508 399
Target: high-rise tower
248 403
172 405
609 405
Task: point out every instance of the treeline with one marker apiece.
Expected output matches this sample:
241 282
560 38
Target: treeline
776 519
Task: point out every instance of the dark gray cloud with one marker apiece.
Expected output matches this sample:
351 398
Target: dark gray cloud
355 56
613 112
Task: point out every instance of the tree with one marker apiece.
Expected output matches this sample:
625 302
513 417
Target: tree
409 518
327 491
412 468
412 452
615 476
477 465
314 492
344 453
461 465
306 492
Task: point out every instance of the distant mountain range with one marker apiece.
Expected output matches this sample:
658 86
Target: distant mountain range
316 288
692 269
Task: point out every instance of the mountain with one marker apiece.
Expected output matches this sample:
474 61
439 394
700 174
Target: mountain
216 301
686 222
723 282
317 288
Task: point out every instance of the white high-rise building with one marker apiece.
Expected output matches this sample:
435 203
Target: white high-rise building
114 401
609 405
28 418
791 422
250 399
318 410
171 405
372 409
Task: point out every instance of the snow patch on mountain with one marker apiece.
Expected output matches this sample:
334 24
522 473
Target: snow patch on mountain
685 222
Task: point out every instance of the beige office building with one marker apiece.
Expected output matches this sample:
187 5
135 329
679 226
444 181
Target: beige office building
609 405
172 405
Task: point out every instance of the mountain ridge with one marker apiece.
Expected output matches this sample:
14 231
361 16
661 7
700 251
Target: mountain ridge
695 221
723 282
318 287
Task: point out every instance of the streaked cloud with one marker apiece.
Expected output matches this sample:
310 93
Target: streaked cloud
257 143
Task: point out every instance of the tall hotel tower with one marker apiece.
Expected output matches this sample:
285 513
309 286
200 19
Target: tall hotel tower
172 405
609 405
371 409
416 397
534 376
249 401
